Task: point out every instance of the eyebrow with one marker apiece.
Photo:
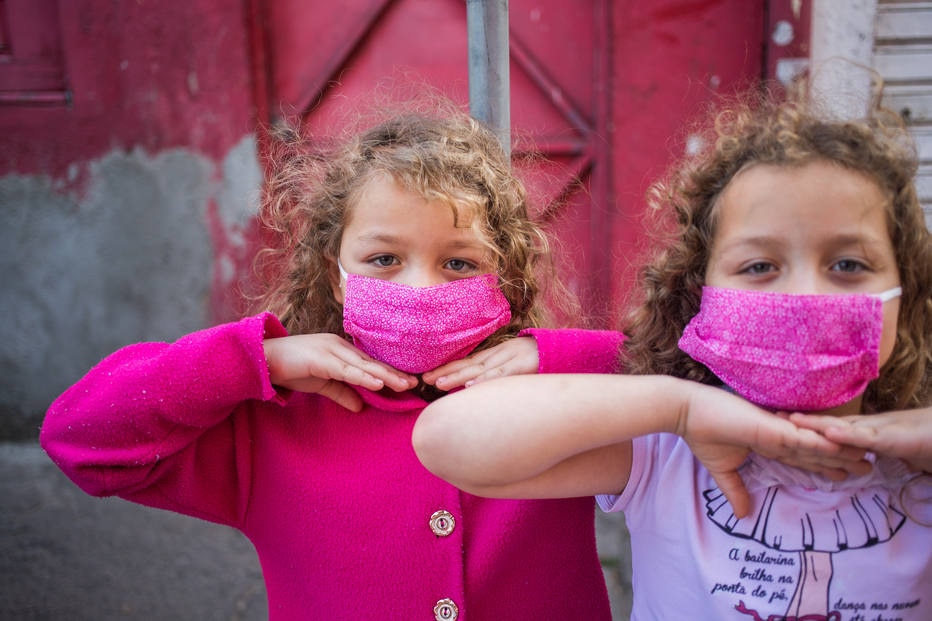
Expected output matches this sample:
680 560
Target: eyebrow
380 237
466 243
842 239
386 238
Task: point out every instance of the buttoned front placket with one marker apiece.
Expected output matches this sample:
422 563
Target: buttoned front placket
442 524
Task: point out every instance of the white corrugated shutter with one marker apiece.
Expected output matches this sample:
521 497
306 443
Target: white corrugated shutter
903 57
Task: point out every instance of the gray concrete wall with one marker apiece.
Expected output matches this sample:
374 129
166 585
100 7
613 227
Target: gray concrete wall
65 556
130 258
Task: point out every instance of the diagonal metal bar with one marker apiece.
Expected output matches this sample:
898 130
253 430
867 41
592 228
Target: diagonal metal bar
550 88
355 38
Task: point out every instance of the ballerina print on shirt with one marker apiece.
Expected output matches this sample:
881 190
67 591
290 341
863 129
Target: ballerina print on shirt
796 511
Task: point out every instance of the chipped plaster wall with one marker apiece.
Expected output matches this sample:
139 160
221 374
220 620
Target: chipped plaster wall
127 212
132 258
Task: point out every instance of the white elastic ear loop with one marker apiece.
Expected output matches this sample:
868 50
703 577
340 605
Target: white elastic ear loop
889 294
343 275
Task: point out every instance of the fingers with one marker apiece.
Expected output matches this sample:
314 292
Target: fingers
858 431
835 469
817 423
904 434
818 446
736 493
886 436
809 450
776 437
358 369
467 372
850 454
343 395
865 433
341 361
513 357
308 362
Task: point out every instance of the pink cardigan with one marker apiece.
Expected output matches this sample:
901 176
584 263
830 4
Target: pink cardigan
345 520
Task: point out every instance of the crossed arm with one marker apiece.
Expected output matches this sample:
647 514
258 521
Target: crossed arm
570 435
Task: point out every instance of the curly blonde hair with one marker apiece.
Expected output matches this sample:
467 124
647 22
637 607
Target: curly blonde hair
444 156
760 128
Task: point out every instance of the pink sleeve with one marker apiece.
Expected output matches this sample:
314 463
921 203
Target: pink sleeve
156 422
577 351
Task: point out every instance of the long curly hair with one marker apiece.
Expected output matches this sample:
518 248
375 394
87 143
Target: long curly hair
761 128
442 155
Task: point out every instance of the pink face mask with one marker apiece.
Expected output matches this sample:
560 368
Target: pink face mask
416 329
789 352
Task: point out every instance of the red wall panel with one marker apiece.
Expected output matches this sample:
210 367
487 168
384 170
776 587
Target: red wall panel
150 75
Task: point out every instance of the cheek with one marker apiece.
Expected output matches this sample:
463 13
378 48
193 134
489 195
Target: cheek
891 311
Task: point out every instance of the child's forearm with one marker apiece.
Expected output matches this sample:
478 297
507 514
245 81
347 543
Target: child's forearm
569 435
546 428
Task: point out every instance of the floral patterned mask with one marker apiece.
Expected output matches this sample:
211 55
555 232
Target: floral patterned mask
416 329
789 352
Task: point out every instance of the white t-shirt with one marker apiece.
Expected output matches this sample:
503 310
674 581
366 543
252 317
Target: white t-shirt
811 549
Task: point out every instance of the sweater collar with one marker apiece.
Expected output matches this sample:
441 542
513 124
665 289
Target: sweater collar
390 401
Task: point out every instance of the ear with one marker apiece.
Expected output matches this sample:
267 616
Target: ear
335 280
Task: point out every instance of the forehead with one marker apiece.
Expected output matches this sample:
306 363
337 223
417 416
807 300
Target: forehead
384 212
802 201
383 191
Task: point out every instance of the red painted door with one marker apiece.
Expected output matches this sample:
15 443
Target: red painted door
597 88
320 56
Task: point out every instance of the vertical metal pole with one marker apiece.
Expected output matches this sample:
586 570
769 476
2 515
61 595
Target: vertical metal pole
489 80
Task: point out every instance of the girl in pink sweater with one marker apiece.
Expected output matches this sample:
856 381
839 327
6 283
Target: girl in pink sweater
407 267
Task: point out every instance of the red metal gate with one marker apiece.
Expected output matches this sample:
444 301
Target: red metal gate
598 88
601 88
318 56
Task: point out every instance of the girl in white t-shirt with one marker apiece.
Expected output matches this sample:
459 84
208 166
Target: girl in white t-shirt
798 275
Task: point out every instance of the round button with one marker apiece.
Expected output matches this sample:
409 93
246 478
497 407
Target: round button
446 610
442 523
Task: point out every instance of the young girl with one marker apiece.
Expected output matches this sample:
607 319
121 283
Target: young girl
800 276
402 252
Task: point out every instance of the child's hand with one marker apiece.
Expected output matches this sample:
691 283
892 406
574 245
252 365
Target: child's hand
722 429
906 434
325 363
515 356
835 460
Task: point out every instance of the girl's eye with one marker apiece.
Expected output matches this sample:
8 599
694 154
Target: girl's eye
384 260
848 265
758 268
460 265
